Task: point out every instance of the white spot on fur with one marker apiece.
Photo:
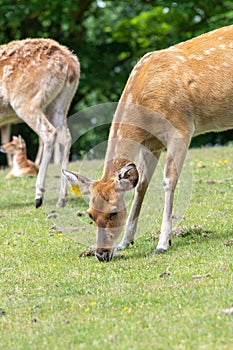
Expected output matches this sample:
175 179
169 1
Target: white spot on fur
220 38
181 58
7 70
129 98
199 57
118 134
173 67
172 47
207 52
222 46
231 45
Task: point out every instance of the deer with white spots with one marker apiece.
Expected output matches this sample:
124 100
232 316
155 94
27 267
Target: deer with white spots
171 95
38 79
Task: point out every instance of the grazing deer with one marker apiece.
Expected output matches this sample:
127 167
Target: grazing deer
38 79
21 165
171 95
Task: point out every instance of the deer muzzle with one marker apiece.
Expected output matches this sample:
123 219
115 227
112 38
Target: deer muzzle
104 254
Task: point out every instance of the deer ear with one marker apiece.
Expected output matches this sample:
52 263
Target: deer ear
128 177
14 138
21 141
80 184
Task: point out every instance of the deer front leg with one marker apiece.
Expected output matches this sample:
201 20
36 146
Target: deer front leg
47 154
166 229
9 175
47 132
172 171
146 166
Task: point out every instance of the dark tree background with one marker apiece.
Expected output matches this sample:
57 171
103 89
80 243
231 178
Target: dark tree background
109 37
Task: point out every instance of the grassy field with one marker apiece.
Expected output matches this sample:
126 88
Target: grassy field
52 299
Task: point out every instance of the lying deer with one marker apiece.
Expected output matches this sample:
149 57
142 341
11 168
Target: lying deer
171 95
21 166
38 79
5 138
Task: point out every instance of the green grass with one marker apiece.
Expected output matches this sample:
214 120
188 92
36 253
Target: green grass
52 299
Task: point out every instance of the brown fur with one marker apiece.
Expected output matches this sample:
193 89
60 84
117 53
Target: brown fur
171 95
5 138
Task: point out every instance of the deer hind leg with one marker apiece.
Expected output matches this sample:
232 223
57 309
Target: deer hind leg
176 153
56 113
47 133
147 164
64 142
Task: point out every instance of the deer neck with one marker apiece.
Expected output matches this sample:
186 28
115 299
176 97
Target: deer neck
20 158
124 140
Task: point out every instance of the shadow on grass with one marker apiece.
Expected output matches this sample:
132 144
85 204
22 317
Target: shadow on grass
182 237
144 247
13 205
198 235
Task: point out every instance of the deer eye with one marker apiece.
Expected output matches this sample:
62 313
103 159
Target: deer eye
112 214
91 217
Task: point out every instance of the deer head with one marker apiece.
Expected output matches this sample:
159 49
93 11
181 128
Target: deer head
106 205
16 145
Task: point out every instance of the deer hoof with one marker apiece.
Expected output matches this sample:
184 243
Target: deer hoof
61 203
38 202
160 251
122 246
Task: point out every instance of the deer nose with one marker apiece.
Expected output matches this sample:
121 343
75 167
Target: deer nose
103 255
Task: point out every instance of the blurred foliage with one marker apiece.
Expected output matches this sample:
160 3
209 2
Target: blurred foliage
109 37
